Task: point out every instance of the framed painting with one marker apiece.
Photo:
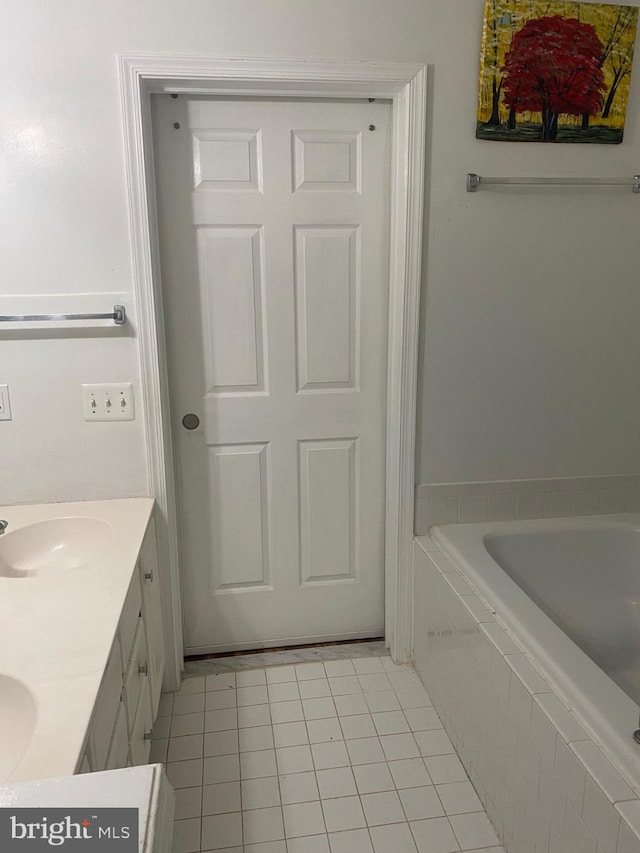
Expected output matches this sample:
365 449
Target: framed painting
554 71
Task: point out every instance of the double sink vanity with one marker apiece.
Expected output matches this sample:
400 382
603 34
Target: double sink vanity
81 639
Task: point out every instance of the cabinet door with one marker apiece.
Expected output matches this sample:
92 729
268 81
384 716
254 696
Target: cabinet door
140 743
120 742
137 673
152 613
106 708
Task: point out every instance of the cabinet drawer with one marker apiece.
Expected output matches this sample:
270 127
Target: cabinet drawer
137 673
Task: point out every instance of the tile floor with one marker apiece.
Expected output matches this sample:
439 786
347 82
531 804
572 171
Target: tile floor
342 756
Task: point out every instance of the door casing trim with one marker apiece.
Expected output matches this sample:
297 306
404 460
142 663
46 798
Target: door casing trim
406 86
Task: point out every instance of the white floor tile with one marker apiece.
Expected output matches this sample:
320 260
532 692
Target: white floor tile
319 709
330 754
309 671
382 700
366 750
221 798
159 750
219 721
353 841
382 808
375 681
390 723
262 825
221 743
286 712
445 768
221 768
216 700
186 836
364 666
343 813
396 838
321 731
357 726
314 689
474 830
260 793
422 719
339 667
354 703
294 759
299 788
185 774
279 674
312 752
254 695
413 697
254 715
459 797
286 691
303 819
342 685
251 677
221 681
264 847
185 724
290 734
188 803
435 742
219 831
191 684
409 773
372 778
189 704
309 844
261 763
421 803
434 836
336 782
255 738
399 746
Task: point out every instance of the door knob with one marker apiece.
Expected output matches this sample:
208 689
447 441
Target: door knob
191 421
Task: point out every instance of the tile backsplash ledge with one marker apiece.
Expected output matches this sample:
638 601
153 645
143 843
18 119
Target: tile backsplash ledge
506 500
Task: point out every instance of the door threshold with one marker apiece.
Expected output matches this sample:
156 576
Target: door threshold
258 658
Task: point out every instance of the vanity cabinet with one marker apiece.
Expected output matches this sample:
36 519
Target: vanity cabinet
127 704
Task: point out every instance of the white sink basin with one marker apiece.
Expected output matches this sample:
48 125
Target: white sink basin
17 721
47 547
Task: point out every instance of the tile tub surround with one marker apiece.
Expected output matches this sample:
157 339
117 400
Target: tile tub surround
506 500
339 756
57 630
544 781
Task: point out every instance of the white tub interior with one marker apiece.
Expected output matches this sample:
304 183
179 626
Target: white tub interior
569 590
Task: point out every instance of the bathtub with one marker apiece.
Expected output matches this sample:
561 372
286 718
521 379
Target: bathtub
568 590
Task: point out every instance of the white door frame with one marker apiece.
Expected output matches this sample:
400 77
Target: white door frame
405 86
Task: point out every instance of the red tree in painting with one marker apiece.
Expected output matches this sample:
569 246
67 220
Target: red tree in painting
553 67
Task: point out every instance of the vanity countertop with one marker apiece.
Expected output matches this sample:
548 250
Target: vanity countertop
57 625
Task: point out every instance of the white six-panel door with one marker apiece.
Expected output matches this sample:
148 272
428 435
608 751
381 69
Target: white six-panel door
273 221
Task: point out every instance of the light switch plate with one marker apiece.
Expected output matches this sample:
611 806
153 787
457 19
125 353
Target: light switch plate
5 403
108 402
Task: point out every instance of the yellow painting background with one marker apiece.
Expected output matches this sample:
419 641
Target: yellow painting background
503 18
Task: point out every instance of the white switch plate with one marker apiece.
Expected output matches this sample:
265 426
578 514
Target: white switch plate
108 402
5 403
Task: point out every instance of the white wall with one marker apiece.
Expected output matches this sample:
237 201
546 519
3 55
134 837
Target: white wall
531 339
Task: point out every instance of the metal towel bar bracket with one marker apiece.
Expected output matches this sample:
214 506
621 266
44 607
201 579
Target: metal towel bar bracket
474 181
118 316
